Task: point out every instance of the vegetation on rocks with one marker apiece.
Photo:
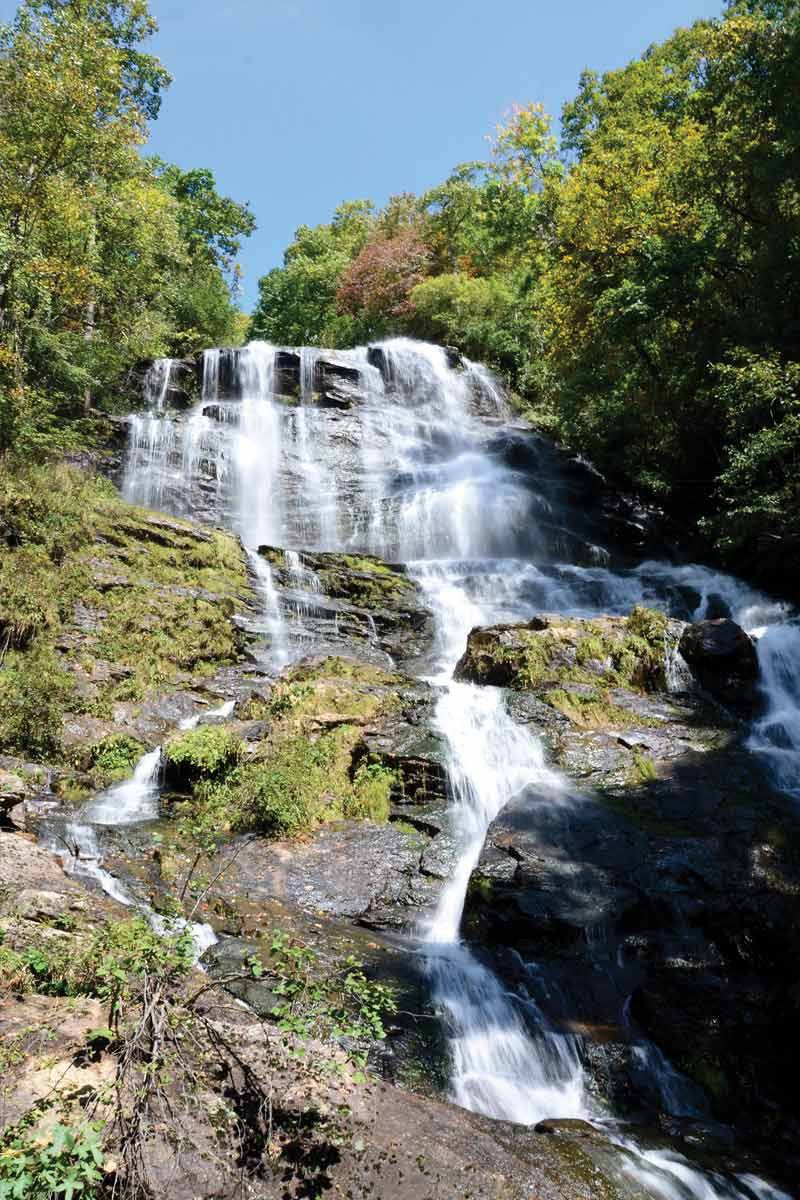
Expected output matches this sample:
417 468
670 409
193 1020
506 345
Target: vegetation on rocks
579 667
84 582
310 766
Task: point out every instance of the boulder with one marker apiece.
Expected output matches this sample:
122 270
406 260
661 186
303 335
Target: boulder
337 384
724 661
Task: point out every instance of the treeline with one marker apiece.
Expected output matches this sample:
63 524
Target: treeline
637 283
107 257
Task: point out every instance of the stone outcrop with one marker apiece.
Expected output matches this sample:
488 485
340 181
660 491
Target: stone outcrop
353 604
670 874
724 661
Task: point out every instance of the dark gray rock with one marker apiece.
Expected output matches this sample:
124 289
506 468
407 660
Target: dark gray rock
724 660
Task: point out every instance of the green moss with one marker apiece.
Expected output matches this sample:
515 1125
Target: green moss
34 692
595 653
114 758
644 767
86 577
593 710
206 750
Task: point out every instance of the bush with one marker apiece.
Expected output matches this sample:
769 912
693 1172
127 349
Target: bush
205 751
115 757
34 691
110 965
66 1162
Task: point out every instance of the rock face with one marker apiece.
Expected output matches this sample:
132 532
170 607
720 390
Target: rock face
724 661
672 877
580 668
355 604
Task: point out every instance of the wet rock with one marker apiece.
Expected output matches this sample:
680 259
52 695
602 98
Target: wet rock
337 384
358 604
367 872
724 660
287 372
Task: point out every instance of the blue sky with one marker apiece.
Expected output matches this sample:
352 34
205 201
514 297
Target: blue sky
297 105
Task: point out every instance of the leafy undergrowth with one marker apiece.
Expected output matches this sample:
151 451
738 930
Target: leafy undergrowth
310 767
169 1056
101 603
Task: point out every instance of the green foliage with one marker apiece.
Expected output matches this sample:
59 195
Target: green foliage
111 964
68 1162
107 257
34 692
315 1003
204 751
371 794
297 302
483 316
115 757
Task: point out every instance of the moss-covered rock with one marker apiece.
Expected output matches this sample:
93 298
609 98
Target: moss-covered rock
578 667
104 606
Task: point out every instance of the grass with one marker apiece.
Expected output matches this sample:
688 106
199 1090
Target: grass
310 768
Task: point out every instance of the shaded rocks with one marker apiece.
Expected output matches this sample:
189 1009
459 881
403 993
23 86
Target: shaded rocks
724 661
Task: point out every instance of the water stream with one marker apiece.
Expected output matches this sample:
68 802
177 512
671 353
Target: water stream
424 469
131 802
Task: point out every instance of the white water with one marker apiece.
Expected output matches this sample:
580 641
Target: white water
130 802
414 475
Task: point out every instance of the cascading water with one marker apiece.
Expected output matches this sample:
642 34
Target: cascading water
417 471
131 802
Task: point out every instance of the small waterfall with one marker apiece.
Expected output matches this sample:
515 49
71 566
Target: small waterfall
156 383
131 802
209 388
776 735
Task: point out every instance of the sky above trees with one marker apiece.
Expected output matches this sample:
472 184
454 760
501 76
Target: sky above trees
295 104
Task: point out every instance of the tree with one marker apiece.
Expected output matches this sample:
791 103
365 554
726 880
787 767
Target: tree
102 264
377 286
297 302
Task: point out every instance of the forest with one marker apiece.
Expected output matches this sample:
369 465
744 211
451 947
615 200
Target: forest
107 256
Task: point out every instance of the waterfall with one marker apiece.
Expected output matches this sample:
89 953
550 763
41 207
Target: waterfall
776 735
156 383
414 472
130 802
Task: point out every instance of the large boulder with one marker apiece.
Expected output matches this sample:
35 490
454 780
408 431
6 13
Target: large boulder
723 659
589 670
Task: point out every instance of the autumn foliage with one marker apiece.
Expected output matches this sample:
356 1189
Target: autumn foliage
379 281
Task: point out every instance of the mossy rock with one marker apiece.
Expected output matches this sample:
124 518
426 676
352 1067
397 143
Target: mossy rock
88 579
574 665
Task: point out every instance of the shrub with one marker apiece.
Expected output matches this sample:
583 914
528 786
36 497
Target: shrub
115 757
34 690
201 752
66 1162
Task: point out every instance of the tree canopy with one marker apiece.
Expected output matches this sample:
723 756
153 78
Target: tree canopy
106 257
